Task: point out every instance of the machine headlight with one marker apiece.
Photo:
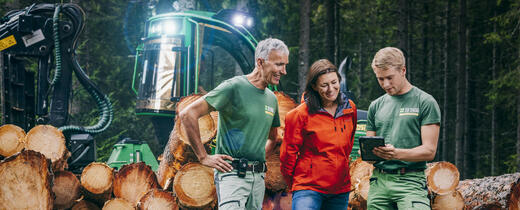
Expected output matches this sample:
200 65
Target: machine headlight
170 27
238 20
234 17
165 27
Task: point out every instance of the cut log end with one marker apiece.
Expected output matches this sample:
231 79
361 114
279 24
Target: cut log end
25 181
194 185
11 140
133 181
358 170
452 200
97 181
118 204
157 200
66 188
85 205
49 141
442 177
513 202
97 178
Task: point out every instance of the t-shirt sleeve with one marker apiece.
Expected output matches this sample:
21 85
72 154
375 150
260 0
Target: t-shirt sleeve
276 119
220 97
430 113
371 116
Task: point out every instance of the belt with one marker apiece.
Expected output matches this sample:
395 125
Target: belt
400 171
255 166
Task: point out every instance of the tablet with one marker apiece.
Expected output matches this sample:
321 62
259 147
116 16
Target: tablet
367 143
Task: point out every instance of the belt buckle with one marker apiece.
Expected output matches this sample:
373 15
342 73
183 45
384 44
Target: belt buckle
402 171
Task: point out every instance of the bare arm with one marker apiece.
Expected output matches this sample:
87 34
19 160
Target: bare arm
190 119
271 141
424 152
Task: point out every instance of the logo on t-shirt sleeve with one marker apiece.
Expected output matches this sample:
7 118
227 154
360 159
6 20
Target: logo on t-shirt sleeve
409 112
269 110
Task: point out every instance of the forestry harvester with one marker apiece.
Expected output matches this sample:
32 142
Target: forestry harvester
181 53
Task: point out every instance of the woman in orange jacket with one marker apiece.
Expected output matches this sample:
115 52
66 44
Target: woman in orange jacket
318 139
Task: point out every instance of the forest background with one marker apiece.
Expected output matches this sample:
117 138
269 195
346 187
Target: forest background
466 53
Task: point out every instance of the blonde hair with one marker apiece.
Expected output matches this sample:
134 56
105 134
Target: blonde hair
387 58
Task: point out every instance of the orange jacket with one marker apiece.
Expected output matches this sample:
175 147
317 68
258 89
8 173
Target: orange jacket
315 149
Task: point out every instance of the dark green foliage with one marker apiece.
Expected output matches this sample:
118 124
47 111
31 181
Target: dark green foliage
107 44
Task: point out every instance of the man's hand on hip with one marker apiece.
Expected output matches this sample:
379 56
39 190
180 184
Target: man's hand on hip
218 162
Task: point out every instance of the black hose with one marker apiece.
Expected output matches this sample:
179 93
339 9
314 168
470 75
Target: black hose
76 15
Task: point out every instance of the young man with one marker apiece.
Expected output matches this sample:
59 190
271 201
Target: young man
409 120
248 113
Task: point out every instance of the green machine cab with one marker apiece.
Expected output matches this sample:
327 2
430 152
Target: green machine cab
183 53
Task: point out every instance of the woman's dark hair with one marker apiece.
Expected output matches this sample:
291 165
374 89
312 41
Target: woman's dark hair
312 97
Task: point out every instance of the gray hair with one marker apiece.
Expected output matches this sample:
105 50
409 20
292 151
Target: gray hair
265 46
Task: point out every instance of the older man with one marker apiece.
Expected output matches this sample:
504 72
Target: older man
248 115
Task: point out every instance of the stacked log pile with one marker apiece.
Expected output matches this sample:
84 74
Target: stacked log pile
178 151
33 164
34 177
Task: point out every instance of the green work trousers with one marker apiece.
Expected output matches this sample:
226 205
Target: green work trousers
236 193
398 191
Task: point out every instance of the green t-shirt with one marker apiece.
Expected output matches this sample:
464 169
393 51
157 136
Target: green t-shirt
399 119
246 114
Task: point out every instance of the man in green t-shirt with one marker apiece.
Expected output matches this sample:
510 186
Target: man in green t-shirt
248 117
409 120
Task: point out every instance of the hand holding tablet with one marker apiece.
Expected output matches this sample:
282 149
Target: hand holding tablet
367 144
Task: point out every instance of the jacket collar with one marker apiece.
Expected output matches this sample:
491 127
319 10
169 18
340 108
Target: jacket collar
343 108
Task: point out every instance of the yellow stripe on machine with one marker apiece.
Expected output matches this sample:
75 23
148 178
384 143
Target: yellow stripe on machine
7 42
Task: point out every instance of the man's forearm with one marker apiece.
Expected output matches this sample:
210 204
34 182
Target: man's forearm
191 126
417 154
269 147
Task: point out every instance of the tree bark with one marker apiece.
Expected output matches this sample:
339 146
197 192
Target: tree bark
157 200
11 140
402 26
195 179
467 121
494 108
461 76
66 188
133 181
303 51
26 182
497 190
329 30
49 141
518 112
97 181
409 43
447 54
